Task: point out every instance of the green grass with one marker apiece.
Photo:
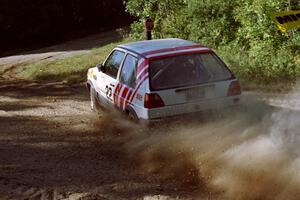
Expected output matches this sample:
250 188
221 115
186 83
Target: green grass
71 69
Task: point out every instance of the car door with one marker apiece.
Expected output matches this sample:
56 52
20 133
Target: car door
127 80
109 76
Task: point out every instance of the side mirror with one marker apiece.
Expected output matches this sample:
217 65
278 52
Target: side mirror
100 67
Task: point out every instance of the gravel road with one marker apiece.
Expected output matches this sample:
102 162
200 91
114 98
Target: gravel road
53 147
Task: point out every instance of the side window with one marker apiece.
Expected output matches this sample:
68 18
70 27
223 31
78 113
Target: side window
128 73
113 63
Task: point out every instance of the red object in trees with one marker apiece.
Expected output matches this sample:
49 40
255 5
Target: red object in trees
149 24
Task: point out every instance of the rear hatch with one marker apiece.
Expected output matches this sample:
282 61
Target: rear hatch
190 77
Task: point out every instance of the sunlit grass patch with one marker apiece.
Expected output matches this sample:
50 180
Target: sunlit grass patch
71 69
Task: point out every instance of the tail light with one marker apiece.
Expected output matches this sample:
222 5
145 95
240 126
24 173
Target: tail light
234 89
153 101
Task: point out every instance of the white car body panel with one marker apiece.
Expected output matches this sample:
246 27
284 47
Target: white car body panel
177 101
192 107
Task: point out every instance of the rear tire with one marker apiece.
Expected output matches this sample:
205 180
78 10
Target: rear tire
132 116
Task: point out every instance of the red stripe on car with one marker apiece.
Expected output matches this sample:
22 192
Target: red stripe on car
118 96
138 87
172 49
142 66
142 74
178 54
115 94
127 98
122 97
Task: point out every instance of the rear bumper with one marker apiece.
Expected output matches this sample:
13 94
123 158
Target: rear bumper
196 116
192 107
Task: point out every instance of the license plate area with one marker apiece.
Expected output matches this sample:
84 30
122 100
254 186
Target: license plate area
196 92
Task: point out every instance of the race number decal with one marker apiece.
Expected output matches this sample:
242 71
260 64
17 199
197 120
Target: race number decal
108 92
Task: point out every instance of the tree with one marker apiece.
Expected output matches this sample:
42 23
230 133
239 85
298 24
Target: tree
241 30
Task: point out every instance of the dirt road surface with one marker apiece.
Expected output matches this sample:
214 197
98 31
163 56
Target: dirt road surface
53 147
50 147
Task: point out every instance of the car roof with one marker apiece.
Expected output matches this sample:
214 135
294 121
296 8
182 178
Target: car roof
148 47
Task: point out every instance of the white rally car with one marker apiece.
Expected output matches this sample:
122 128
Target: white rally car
155 79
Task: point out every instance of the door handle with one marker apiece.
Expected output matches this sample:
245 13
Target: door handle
112 85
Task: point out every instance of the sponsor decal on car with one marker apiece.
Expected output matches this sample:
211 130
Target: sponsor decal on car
139 97
91 74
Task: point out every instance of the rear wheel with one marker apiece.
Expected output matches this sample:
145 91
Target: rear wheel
132 116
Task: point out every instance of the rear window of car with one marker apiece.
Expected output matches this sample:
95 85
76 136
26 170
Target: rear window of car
187 70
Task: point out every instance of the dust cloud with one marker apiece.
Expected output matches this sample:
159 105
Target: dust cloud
253 153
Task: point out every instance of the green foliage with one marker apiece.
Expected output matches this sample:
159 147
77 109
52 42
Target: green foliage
71 69
159 10
240 30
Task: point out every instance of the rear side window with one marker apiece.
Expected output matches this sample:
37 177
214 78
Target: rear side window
113 63
187 70
128 73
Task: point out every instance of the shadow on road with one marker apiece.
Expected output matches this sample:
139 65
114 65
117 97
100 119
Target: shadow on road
45 154
25 88
49 142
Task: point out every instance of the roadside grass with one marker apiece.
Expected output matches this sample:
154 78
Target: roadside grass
70 69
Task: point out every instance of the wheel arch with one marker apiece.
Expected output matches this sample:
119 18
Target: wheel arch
89 85
129 109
